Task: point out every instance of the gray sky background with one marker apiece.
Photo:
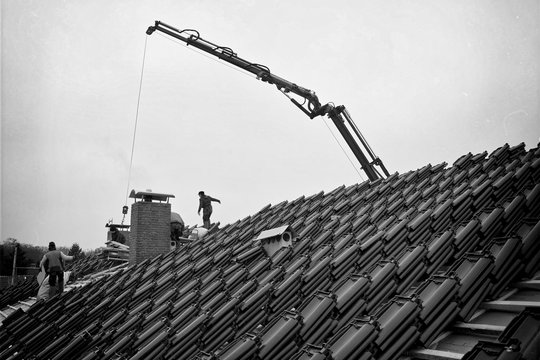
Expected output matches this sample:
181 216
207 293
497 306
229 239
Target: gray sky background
425 81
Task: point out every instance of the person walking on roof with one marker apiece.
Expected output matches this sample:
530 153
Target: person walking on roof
205 203
52 263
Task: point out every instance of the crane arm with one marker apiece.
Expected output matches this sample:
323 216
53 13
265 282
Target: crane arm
309 103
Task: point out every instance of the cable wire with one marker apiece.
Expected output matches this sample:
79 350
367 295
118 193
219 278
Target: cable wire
342 149
360 135
136 121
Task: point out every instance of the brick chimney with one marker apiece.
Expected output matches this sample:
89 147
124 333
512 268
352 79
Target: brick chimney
150 225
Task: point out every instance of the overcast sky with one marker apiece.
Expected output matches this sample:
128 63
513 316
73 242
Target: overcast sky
425 81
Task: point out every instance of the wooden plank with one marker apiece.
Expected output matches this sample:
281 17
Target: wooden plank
504 296
528 284
507 305
508 294
441 337
429 354
480 328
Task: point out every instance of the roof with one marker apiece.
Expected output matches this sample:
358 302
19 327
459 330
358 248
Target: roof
437 263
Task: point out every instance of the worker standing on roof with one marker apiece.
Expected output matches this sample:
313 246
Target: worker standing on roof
52 263
205 203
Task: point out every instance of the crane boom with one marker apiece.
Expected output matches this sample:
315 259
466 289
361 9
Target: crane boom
309 103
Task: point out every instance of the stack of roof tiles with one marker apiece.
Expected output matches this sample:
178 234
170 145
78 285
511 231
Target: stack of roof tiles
89 265
20 291
377 268
29 287
115 251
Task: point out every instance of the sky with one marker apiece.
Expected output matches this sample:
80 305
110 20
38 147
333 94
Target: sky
425 81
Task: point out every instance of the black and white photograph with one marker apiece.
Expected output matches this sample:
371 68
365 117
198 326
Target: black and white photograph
305 180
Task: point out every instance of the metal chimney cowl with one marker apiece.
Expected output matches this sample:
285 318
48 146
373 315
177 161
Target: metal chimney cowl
274 239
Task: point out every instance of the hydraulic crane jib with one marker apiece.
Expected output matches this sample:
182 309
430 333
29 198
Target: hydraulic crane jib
309 103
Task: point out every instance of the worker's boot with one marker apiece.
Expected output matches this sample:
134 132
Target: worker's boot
52 291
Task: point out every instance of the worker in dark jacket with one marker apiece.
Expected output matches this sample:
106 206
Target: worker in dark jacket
205 203
52 264
117 235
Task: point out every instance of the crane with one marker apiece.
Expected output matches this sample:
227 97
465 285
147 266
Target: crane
309 102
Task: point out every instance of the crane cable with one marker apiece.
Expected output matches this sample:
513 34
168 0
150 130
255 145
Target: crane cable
342 149
135 129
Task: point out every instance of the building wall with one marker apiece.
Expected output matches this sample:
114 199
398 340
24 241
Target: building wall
150 230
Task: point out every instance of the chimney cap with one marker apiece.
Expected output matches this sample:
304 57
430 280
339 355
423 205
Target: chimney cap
118 226
150 196
279 231
274 239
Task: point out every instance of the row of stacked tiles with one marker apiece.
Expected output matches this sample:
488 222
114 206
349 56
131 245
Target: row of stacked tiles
149 280
259 319
28 288
419 189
